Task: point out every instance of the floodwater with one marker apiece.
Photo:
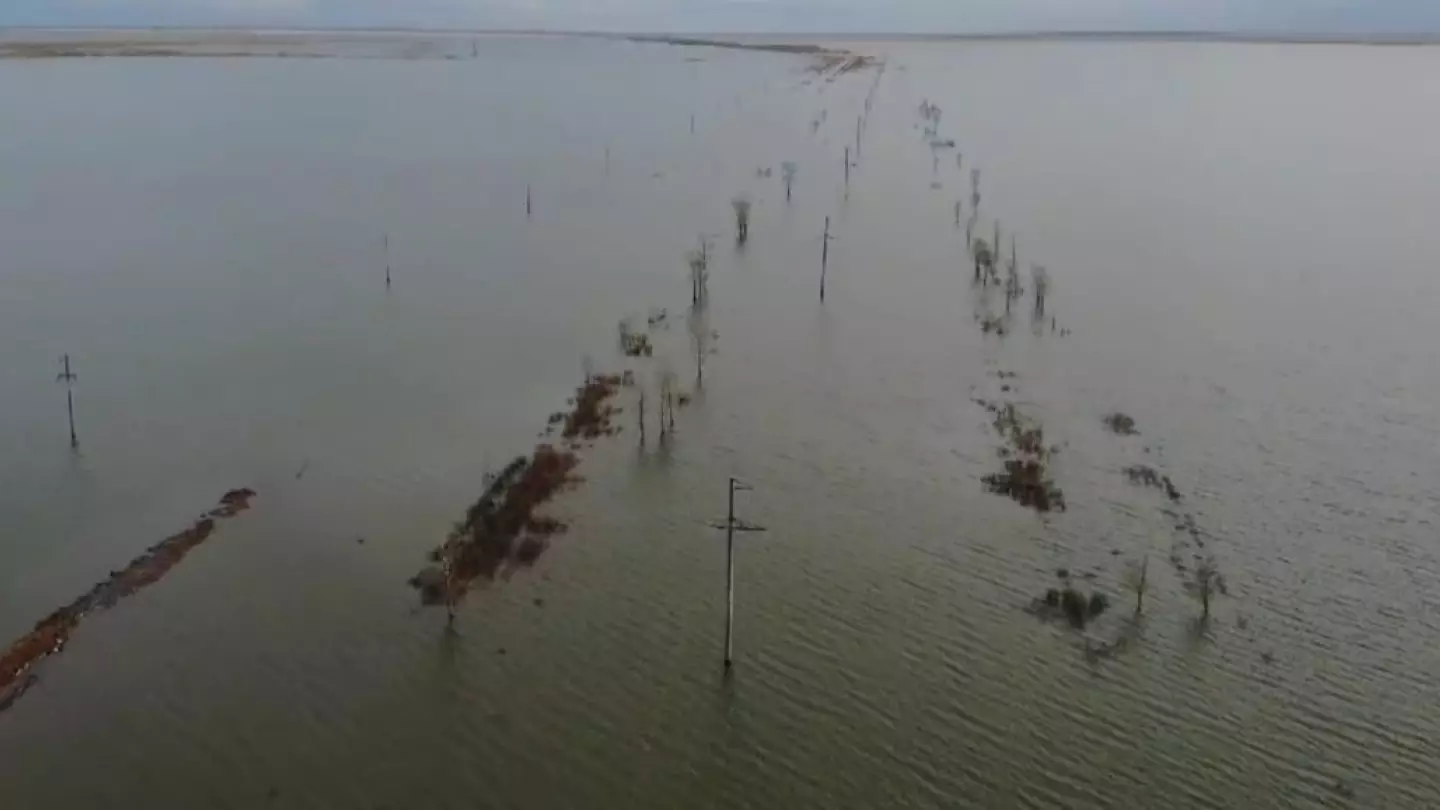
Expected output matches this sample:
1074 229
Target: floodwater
1242 244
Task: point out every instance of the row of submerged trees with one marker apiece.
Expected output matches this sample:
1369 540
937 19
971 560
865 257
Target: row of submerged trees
991 267
636 344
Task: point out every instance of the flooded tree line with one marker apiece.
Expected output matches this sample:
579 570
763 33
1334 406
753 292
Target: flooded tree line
503 530
1023 450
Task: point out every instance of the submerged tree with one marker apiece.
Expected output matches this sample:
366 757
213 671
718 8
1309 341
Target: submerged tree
1040 278
984 259
742 219
699 261
641 389
633 343
667 386
1206 583
1012 277
701 338
787 174
1134 579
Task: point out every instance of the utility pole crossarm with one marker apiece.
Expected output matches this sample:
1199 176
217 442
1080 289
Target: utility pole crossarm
731 525
69 377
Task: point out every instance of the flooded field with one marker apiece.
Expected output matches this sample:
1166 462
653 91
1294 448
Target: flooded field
1165 537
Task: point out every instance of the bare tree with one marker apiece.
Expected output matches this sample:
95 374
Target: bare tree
742 219
1040 278
642 414
699 261
1206 583
984 258
787 174
975 188
1134 579
667 384
1012 276
633 343
701 338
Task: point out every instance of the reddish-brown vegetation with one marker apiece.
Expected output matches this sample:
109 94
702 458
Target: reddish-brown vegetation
51 633
1024 481
501 529
1024 477
1121 424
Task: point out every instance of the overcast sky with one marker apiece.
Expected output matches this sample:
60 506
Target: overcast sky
913 16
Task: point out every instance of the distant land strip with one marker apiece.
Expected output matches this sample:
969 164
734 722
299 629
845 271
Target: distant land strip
309 43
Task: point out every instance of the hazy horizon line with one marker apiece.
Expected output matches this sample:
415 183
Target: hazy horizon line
1238 35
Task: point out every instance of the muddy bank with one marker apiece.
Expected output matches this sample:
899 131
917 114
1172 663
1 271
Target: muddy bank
51 633
501 529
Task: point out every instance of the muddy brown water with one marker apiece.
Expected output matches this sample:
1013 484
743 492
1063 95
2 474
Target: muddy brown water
1241 242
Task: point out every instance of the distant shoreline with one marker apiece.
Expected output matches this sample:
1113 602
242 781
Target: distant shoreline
24 43
713 37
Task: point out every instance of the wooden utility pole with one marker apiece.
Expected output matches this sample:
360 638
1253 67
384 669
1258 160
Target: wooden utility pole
385 238
996 251
847 168
527 201
857 138
824 257
731 526
69 377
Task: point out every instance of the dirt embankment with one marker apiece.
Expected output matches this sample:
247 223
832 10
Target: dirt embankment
50 634
501 529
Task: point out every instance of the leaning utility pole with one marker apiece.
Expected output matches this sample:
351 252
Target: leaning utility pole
69 377
731 526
